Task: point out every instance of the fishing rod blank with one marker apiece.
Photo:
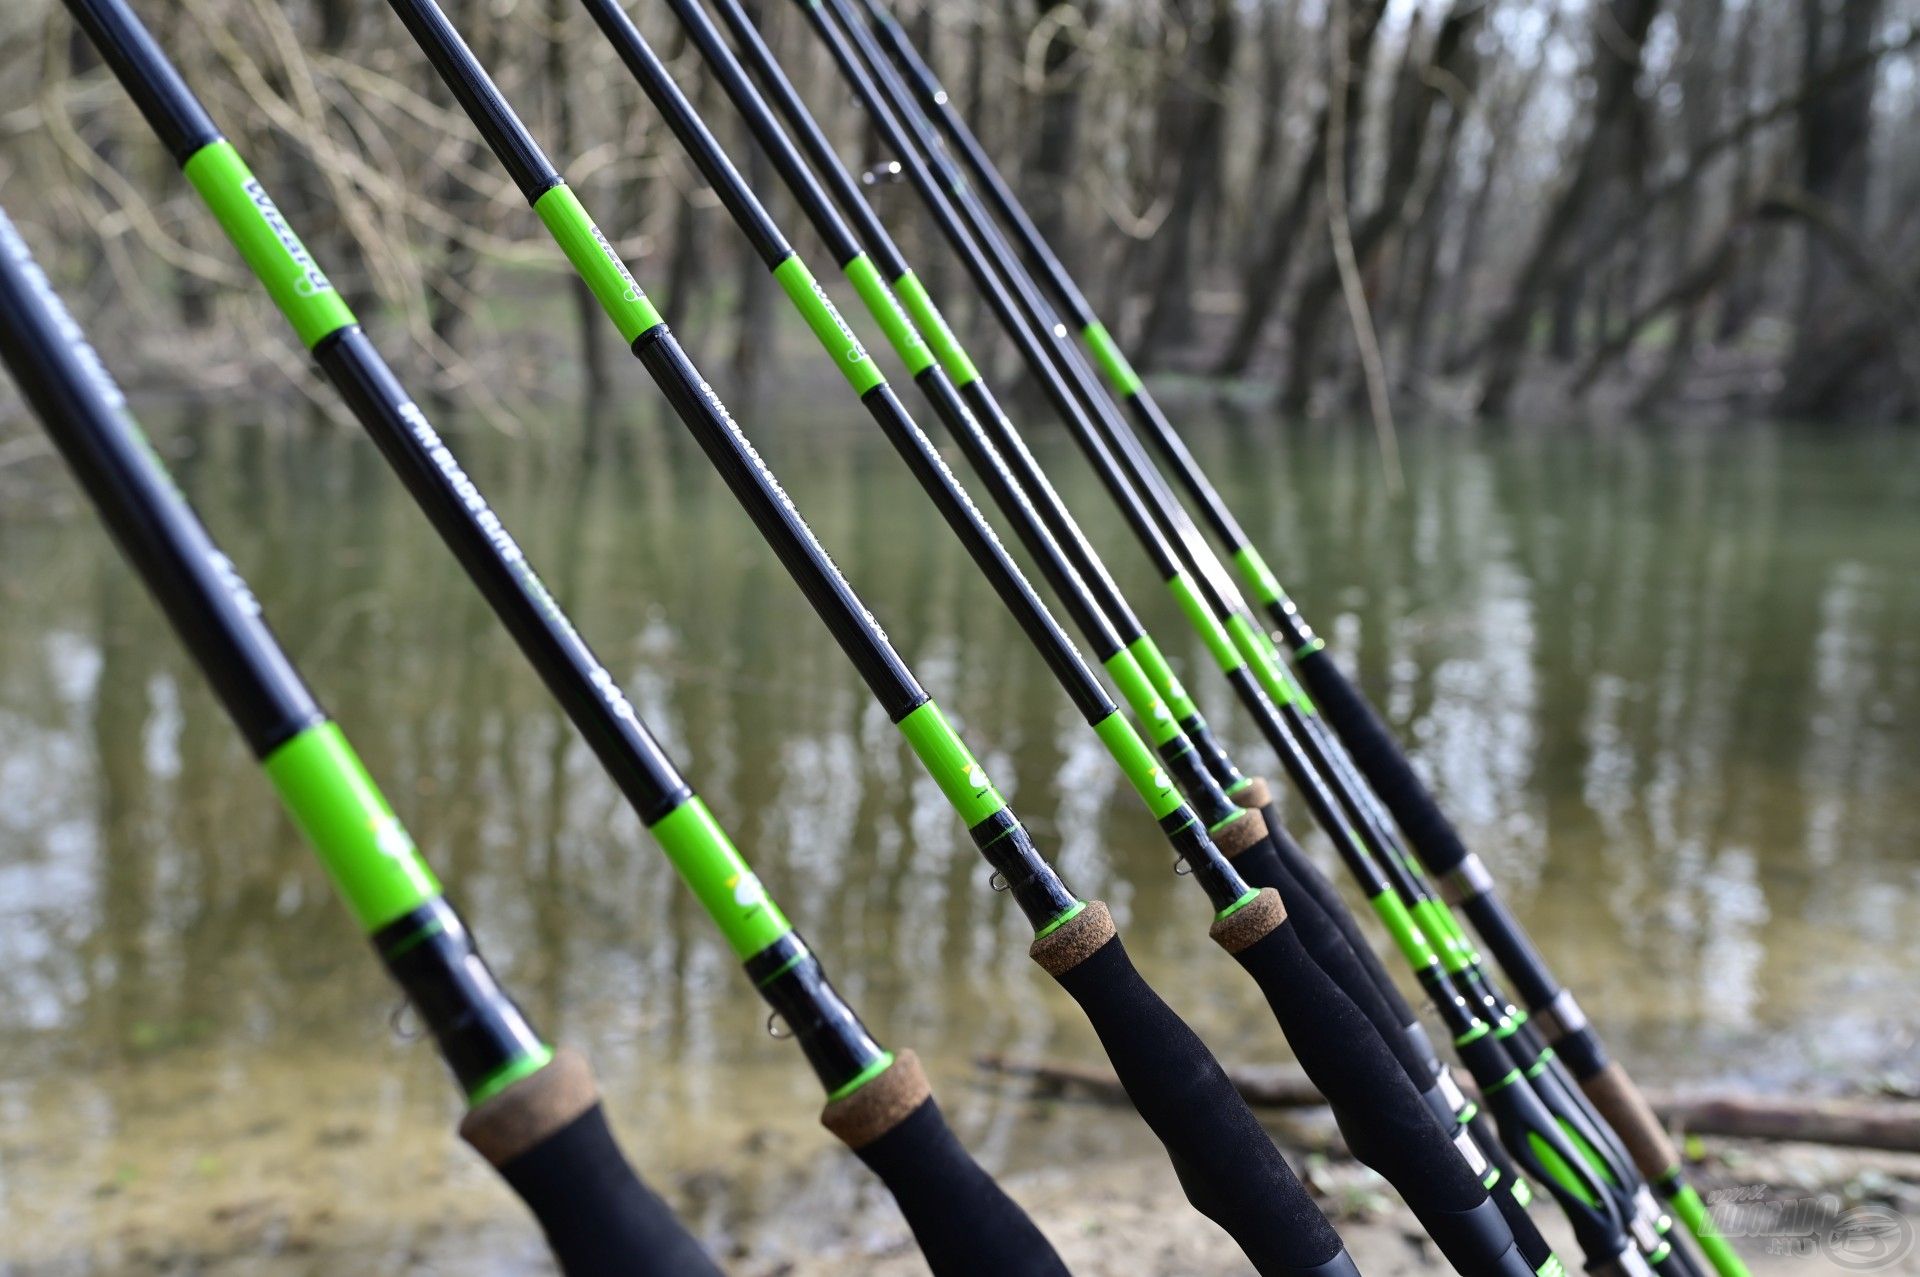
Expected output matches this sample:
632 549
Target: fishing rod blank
878 1103
1191 840
1377 755
1227 1164
533 1112
1309 900
1368 985
1377 1103
1525 1123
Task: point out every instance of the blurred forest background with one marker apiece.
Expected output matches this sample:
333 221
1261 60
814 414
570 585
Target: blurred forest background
1502 207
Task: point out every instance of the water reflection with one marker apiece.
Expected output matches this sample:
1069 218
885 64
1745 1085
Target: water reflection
1658 676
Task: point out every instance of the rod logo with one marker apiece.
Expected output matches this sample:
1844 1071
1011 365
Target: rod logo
234 584
632 294
311 280
855 351
772 484
69 329
748 891
511 554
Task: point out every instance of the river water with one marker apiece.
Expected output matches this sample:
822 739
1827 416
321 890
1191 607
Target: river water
1666 680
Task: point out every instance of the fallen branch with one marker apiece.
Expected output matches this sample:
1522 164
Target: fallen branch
1890 1125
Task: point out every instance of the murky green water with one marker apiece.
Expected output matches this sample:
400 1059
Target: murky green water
1667 681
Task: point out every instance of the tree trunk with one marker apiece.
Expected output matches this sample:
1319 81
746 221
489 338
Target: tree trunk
1056 135
1835 130
1410 114
1620 33
1194 129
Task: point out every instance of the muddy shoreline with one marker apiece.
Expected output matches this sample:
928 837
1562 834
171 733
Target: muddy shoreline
783 1202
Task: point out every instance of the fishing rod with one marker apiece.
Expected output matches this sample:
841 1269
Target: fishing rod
1339 949
534 1112
963 372
1322 940
1230 1169
1384 1115
1372 990
1590 1199
1378 757
1192 840
1582 1130
878 1102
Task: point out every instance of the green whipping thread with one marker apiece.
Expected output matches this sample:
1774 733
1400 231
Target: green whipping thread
1261 656
1106 353
272 251
597 262
1405 932
1258 576
951 764
1143 770
1694 1215
1455 955
1146 704
1248 897
720 878
888 313
933 327
509 1073
880 1064
1154 664
811 300
367 852
1204 623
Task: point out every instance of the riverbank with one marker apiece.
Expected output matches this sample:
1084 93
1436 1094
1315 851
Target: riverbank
781 1201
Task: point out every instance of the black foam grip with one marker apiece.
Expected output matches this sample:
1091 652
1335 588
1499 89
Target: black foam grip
597 1215
1327 896
1500 1254
1226 1162
1264 865
965 1223
1386 1123
1380 759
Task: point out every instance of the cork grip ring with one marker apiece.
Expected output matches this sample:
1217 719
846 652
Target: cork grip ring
545 1132
1226 1162
964 1222
1628 1113
548 1137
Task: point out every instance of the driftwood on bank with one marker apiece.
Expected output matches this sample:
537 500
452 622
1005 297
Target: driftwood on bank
1891 1125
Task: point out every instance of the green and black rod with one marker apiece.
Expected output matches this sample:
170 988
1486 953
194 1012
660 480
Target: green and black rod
1191 840
1368 986
1375 751
877 1102
1548 1074
1365 982
1584 1195
1377 1105
533 1111
1321 939
1583 1128
989 417
1227 635
1227 1163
